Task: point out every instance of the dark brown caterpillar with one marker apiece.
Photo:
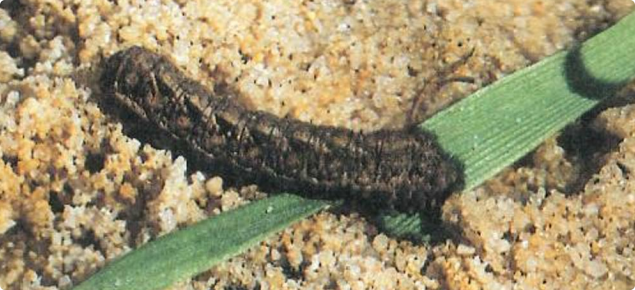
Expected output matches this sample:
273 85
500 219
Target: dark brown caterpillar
404 169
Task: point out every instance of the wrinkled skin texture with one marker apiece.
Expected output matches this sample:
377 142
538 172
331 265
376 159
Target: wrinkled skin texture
403 169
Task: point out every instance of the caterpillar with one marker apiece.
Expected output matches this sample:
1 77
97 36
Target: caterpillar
403 169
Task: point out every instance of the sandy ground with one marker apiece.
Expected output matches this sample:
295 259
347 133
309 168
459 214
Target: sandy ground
75 192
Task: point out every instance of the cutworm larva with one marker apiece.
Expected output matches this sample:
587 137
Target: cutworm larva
404 169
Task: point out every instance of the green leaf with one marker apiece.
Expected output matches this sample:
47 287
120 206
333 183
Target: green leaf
485 132
183 254
501 123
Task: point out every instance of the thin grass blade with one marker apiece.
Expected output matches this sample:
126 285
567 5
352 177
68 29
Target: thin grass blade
183 254
501 123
